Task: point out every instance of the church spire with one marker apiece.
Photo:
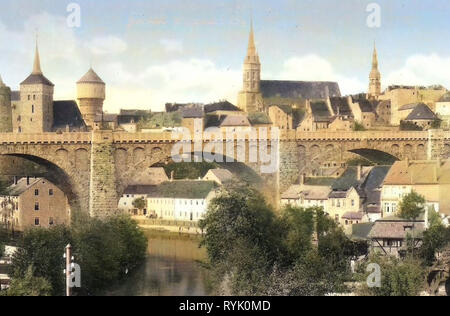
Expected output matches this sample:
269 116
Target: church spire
251 43
37 62
375 58
2 84
374 77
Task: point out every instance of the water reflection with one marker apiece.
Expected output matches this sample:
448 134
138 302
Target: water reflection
171 269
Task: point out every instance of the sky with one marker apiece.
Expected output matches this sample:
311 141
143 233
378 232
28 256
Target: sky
150 52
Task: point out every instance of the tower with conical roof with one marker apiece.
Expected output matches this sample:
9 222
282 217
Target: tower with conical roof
250 98
5 108
374 78
34 113
91 95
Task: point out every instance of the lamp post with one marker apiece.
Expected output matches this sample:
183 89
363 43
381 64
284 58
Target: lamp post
72 271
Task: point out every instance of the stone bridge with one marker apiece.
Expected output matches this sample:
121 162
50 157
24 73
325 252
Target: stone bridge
94 168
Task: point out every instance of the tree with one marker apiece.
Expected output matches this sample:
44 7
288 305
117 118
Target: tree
435 239
412 207
29 285
359 127
398 278
140 204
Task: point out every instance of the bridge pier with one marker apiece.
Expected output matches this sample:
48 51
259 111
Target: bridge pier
103 199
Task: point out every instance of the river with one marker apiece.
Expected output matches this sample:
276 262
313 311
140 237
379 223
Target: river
172 268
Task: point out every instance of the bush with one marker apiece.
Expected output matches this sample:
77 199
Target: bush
408 126
358 127
29 285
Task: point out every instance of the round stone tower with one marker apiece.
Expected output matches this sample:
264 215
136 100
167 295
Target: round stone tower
5 108
90 95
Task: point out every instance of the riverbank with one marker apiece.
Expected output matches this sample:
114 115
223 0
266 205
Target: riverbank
168 226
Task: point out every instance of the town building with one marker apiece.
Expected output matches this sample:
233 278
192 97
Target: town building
219 176
427 178
389 236
34 202
422 116
133 193
256 94
184 200
193 119
282 116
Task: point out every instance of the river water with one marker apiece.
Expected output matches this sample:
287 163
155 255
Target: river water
172 268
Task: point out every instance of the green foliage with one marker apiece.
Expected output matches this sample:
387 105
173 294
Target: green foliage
358 127
412 206
159 120
254 252
29 285
139 203
189 170
408 126
103 249
435 239
398 278
359 162
43 249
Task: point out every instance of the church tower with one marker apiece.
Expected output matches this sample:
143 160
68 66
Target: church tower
5 108
374 78
250 98
90 95
35 111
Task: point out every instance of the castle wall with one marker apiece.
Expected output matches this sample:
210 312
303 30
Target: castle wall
5 110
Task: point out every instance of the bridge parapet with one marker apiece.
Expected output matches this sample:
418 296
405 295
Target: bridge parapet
46 138
359 136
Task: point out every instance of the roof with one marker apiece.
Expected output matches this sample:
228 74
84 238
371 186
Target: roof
320 111
192 112
67 113
299 89
37 79
221 106
132 116
374 182
408 106
141 189
350 179
15 95
445 98
361 231
105 117
227 121
395 228
22 186
342 105
223 175
421 112
184 189
91 77
353 216
286 108
151 176
418 172
307 192
259 118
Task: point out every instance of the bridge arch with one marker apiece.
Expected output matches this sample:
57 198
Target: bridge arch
55 174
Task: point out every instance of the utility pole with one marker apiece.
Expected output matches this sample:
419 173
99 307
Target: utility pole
68 256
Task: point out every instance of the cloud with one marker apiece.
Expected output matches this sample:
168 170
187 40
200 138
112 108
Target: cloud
315 68
423 70
171 46
193 80
108 45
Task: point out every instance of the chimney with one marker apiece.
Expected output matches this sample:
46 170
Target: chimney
172 175
15 180
359 173
28 180
407 162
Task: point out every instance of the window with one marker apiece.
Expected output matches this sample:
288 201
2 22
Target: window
36 206
36 192
50 221
50 192
32 109
36 221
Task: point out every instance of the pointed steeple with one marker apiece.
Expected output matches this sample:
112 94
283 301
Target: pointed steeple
2 84
37 62
375 58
